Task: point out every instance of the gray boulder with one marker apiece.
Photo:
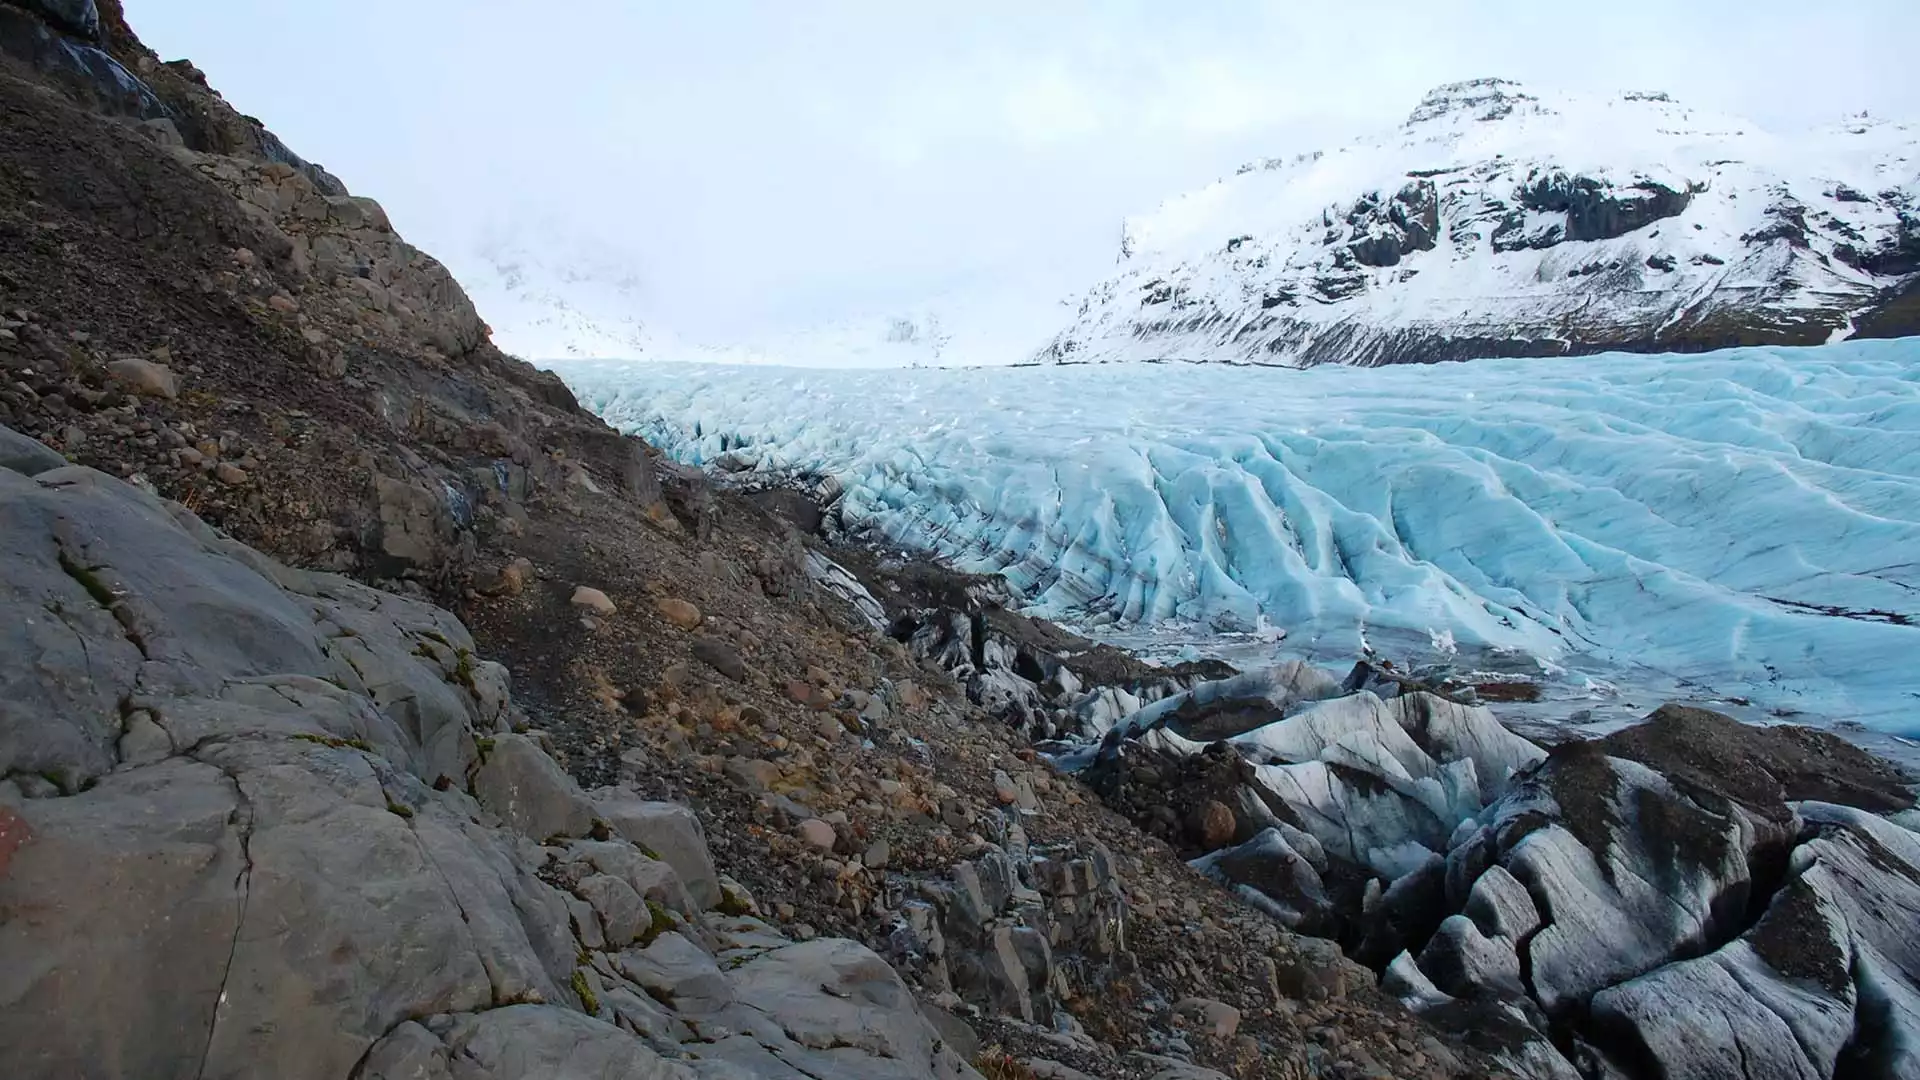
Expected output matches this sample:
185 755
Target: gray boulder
649 878
668 830
240 850
841 1001
623 915
1270 874
519 1042
25 455
530 792
676 970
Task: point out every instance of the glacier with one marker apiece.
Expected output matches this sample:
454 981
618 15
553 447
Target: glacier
1742 525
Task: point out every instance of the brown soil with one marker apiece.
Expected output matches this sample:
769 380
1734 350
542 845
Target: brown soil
1761 768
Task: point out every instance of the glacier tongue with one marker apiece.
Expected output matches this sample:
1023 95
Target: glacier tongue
1746 522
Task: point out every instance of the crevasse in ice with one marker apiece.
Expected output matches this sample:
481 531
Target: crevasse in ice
1747 520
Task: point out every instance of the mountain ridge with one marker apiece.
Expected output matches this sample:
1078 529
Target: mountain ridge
1497 221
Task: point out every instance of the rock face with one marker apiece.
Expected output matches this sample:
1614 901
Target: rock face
346 334
1018 928
255 814
74 16
60 38
1503 222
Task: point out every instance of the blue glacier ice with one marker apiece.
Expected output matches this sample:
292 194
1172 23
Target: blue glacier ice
1743 522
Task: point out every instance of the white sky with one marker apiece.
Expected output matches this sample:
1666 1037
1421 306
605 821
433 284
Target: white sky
777 164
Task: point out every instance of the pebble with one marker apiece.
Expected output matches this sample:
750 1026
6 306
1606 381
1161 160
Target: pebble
1222 1018
145 377
817 832
514 576
1217 826
593 600
678 612
1004 789
229 473
721 657
753 773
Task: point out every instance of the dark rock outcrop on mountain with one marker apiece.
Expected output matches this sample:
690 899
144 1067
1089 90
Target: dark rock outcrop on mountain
1595 209
1402 225
77 17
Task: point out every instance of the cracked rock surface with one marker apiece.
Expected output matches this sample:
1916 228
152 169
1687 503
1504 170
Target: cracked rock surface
273 816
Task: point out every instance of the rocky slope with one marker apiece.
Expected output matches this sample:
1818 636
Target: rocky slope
254 809
1498 221
256 817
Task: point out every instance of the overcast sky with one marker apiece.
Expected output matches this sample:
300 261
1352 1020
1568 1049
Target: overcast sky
777 163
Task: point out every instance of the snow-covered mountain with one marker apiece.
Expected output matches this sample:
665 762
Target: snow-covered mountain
550 295
983 324
1502 222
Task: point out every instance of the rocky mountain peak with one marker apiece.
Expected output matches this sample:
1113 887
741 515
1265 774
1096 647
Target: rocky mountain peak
1476 99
